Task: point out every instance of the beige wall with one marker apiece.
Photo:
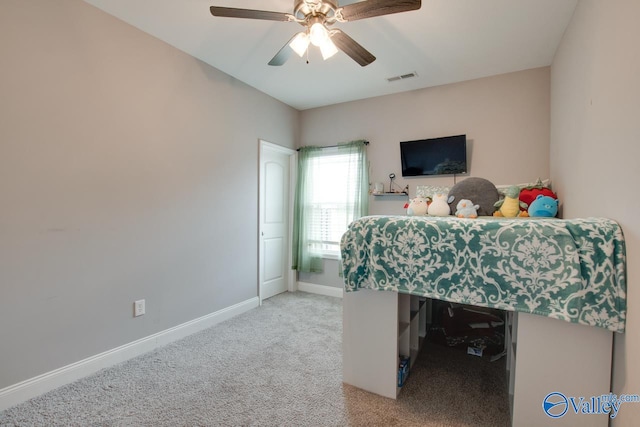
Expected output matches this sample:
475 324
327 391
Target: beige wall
595 148
127 171
505 118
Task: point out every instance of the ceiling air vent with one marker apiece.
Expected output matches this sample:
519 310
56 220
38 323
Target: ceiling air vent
401 77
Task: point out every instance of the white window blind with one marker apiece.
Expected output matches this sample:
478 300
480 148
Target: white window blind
335 182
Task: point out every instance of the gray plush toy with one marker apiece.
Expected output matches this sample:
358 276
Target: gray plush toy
480 191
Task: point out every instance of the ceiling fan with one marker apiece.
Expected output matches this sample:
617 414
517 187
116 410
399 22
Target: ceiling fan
317 16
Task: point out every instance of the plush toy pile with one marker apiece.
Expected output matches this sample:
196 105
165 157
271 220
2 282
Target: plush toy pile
475 197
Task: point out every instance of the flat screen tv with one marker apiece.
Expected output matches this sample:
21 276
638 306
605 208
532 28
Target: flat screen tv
434 156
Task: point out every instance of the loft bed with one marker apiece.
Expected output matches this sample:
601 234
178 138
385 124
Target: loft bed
572 270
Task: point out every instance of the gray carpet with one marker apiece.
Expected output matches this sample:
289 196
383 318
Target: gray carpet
277 365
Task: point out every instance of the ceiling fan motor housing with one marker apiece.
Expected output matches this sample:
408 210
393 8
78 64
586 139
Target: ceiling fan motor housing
303 9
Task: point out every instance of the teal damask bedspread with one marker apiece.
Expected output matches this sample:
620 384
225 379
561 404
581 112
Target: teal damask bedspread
573 270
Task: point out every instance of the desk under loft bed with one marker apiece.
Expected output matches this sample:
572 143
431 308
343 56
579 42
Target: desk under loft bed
562 283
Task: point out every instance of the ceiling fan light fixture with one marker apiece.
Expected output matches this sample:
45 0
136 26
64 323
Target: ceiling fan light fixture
317 16
328 49
318 34
300 43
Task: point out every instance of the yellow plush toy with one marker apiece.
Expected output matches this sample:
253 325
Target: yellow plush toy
509 206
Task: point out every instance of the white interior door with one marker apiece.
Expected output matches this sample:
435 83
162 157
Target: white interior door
275 194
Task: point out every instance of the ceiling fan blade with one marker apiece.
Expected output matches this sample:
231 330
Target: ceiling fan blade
231 12
349 46
371 8
283 54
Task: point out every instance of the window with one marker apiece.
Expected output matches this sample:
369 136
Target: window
332 191
331 200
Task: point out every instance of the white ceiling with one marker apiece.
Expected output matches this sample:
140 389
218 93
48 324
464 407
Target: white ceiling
446 41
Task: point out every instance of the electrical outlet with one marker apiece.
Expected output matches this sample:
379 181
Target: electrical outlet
138 308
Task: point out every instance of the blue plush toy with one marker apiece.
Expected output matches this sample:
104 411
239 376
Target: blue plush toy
466 209
544 206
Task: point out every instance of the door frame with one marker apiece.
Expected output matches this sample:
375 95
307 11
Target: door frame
293 161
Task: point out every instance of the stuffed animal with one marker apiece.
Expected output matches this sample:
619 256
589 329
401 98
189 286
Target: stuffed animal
439 205
466 209
528 194
417 206
543 206
510 205
480 190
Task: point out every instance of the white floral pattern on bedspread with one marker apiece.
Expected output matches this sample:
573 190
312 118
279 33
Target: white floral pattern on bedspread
572 270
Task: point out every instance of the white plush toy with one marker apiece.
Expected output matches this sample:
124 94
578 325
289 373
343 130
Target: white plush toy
439 206
417 206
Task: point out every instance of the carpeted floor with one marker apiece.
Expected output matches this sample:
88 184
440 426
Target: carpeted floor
277 365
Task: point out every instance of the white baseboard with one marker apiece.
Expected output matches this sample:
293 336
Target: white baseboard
320 289
25 390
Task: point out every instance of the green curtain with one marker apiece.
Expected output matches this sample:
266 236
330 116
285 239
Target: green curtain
303 259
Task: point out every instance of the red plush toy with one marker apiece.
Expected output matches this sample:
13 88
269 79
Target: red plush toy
529 194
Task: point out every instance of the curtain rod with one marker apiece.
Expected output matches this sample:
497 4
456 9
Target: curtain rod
334 146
